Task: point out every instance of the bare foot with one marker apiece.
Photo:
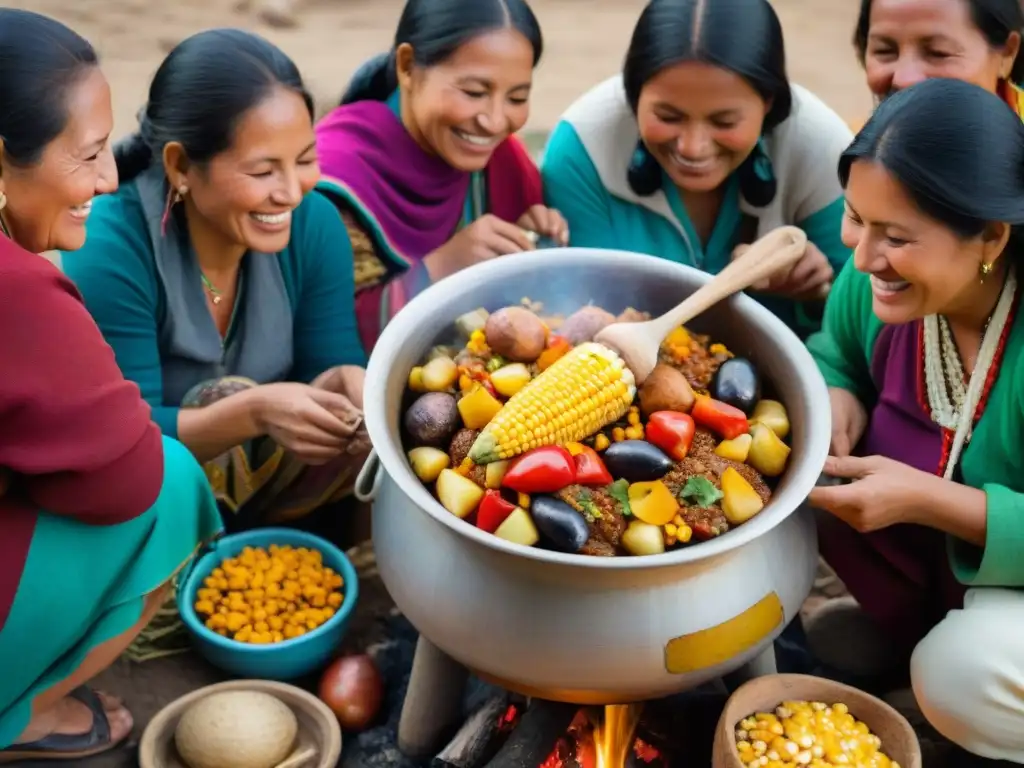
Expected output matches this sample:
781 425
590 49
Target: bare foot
71 717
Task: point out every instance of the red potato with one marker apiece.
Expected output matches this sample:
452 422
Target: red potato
353 690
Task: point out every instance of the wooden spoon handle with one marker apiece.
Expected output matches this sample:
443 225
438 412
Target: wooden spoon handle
780 248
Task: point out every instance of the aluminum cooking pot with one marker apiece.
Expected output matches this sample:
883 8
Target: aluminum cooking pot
590 629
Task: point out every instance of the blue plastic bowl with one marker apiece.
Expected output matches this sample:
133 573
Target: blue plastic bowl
286 660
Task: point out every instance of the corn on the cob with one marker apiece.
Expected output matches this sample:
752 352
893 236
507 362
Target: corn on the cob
579 394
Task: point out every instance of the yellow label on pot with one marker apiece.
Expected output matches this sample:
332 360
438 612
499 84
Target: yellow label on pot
712 646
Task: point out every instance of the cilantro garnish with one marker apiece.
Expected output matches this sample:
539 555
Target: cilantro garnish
619 490
700 491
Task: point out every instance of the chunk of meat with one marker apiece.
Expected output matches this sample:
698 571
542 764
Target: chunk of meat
702 461
603 513
458 450
700 365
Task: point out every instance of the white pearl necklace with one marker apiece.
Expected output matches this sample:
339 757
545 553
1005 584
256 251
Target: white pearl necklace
953 405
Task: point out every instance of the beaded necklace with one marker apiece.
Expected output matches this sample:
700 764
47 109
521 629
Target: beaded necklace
950 402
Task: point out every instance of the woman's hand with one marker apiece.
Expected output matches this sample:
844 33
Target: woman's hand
810 279
486 238
312 423
346 380
546 222
849 420
883 492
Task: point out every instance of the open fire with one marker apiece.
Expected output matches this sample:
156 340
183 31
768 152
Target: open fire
610 742
544 734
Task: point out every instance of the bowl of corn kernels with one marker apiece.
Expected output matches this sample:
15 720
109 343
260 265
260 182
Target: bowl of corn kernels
798 721
273 603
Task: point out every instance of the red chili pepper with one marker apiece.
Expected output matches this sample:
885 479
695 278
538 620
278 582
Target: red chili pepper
590 470
672 432
723 419
547 469
492 511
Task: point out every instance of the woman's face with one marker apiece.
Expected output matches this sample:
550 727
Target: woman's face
248 192
700 122
912 40
48 203
918 266
462 108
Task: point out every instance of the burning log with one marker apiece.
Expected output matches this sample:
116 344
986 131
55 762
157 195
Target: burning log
476 738
535 736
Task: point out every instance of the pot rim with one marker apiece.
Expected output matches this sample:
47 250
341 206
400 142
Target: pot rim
799 480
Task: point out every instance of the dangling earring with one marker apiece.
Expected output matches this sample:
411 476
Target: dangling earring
985 269
174 196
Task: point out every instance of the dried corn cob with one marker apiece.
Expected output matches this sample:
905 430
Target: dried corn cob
579 394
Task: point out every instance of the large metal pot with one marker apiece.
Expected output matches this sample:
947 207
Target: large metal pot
589 629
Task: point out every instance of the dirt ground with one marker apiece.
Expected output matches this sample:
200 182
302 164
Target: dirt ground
586 40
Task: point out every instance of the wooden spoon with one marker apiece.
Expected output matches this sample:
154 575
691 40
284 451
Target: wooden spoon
638 343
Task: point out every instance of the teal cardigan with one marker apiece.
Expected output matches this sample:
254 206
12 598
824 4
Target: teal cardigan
117 276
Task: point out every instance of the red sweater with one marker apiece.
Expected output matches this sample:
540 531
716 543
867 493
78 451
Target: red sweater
75 435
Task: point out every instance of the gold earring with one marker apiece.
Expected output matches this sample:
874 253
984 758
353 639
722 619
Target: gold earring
985 269
3 201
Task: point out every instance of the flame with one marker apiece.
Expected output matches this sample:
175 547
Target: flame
613 738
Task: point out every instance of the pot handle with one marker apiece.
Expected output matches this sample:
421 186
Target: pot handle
369 479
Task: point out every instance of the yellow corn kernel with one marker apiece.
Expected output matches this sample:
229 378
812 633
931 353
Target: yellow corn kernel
684 534
523 500
670 530
618 434
581 392
633 418
601 442
633 433
477 343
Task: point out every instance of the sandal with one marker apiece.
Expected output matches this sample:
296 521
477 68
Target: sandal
68 746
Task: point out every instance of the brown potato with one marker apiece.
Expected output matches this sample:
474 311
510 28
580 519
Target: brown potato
666 389
585 324
516 334
432 418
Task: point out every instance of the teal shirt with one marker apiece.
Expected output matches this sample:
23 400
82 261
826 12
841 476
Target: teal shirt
589 153
117 275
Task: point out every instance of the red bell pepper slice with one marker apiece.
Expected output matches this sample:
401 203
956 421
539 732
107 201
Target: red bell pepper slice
721 418
547 469
492 511
590 469
672 432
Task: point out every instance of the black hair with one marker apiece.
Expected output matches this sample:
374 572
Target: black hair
995 19
200 93
40 61
742 36
956 149
436 29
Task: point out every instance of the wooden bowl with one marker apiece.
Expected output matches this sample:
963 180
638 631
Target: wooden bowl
764 694
318 727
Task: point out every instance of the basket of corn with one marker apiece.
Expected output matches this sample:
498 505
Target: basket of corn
272 603
790 721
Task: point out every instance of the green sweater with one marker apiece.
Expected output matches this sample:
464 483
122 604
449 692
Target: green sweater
881 364
118 276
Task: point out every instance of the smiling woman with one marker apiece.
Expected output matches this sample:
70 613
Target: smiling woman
223 282
97 511
421 157
701 146
923 351
902 42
